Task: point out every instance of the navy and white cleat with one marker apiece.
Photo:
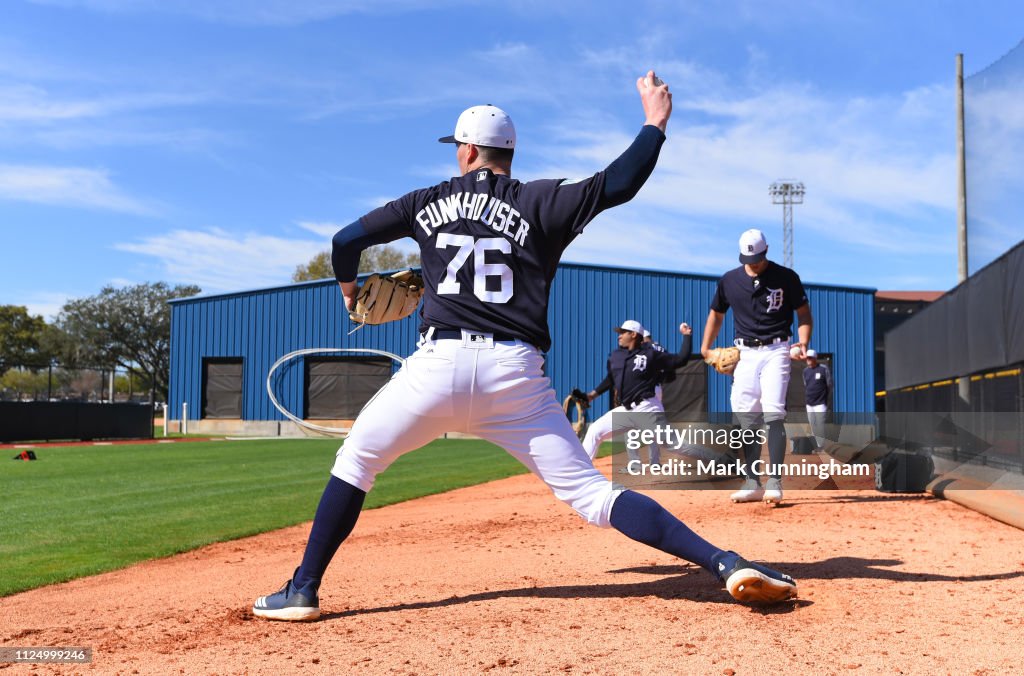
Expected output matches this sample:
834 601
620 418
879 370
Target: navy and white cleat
753 583
287 604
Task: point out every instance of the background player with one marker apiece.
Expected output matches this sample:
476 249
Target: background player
817 385
636 370
489 247
763 296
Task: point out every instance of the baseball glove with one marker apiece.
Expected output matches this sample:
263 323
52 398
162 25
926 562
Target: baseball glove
580 426
581 397
723 359
386 299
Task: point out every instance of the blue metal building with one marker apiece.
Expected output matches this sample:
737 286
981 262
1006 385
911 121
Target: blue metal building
587 301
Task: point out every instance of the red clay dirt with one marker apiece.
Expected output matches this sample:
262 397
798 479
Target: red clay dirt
502 578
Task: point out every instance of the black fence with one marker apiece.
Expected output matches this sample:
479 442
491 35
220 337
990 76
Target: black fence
54 382
976 327
62 420
979 422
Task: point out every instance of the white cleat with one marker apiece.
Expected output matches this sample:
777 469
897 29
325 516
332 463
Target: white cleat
773 491
751 491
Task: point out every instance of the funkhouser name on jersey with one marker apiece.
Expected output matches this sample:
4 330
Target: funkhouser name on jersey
491 211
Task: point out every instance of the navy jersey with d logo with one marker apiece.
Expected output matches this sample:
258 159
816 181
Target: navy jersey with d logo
762 306
490 246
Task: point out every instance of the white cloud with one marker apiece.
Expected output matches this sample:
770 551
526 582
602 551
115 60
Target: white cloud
22 102
46 304
30 103
66 186
874 179
375 201
629 240
325 229
217 260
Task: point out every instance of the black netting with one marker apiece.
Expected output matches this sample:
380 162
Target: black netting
685 397
994 143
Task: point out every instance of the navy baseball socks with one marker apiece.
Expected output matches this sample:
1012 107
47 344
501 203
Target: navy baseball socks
751 490
642 519
336 516
776 456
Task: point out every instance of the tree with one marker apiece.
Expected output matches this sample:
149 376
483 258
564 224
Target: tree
22 338
129 327
24 381
375 259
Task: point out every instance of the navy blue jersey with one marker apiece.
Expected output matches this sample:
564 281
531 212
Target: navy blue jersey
668 375
635 373
490 246
817 383
762 306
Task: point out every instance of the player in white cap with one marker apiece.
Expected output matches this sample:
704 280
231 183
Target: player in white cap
763 296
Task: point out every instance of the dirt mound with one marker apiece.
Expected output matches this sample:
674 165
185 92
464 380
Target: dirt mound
502 578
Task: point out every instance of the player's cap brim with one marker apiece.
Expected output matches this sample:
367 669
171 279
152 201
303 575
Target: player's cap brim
447 139
753 258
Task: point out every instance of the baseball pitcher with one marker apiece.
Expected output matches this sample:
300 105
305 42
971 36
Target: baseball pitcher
490 247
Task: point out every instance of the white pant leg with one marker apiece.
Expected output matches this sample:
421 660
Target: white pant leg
498 393
517 410
649 412
774 380
746 382
599 431
415 407
816 417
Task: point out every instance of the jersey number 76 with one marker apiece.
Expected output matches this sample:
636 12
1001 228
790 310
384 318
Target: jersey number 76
481 269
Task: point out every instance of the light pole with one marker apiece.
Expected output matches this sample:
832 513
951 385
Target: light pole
787 193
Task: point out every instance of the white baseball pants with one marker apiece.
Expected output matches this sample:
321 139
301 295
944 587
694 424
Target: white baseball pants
648 412
760 381
618 420
496 391
816 417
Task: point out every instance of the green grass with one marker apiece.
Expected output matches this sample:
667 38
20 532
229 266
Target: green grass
83 510
158 433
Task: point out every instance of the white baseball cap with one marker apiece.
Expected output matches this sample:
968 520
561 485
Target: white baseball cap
753 246
647 334
630 325
811 353
484 126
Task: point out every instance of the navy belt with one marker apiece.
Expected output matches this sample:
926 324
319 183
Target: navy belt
453 334
757 342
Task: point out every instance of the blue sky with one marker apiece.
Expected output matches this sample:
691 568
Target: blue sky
223 142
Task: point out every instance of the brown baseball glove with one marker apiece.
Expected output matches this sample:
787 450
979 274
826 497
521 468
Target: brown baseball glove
580 425
723 359
386 299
